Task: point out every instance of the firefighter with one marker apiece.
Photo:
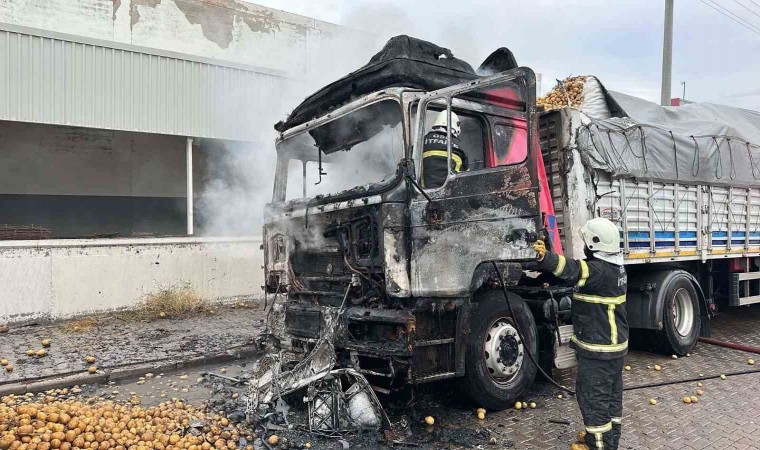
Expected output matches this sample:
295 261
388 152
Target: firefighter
435 152
600 328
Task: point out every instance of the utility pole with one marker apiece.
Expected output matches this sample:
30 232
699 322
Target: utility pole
667 54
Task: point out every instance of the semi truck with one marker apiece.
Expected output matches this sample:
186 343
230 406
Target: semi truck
410 283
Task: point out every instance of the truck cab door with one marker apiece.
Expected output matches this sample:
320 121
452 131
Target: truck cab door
489 212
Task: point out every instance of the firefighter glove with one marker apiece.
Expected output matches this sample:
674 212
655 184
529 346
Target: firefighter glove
540 248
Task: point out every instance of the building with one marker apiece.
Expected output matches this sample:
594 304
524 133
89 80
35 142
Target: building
123 127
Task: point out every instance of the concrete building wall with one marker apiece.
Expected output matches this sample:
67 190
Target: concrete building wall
224 29
85 182
49 159
61 279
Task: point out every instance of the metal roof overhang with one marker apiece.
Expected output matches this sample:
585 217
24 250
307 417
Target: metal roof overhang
59 79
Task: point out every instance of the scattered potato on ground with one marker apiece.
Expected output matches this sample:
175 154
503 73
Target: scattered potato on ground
70 424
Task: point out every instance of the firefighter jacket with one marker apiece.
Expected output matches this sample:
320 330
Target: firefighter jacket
435 156
600 326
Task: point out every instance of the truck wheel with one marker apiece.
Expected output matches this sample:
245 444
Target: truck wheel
680 317
497 369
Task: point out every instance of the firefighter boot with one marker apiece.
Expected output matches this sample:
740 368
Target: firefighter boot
616 432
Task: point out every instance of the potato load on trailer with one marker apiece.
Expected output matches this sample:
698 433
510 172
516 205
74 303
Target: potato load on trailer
683 186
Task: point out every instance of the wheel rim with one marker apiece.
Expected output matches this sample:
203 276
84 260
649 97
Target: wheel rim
683 312
503 350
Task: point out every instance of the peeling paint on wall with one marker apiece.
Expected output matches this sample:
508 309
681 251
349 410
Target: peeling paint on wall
229 30
218 26
134 11
116 5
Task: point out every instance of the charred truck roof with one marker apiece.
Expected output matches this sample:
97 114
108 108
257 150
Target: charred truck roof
404 61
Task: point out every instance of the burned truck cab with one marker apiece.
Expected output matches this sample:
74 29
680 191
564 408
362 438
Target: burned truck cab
402 279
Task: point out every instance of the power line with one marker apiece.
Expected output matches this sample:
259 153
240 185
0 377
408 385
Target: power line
749 27
754 3
746 7
733 14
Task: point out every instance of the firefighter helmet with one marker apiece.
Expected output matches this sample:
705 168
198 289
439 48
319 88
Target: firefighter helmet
441 122
602 237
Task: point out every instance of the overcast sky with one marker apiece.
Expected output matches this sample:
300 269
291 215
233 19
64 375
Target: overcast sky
620 41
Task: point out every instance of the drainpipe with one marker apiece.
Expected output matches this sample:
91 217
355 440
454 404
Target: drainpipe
189 167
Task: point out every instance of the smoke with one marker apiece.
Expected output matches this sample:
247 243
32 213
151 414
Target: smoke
237 178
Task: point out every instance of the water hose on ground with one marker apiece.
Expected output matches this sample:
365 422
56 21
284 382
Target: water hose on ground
689 380
744 348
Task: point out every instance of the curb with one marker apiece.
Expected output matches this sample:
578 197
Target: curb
120 373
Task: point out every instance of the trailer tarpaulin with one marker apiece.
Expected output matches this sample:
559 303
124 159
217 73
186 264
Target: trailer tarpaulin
693 143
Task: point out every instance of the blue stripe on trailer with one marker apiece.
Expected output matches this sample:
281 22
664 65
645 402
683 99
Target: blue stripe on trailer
662 235
638 235
662 244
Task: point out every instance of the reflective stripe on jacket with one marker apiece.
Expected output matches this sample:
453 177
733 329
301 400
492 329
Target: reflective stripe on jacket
599 318
435 157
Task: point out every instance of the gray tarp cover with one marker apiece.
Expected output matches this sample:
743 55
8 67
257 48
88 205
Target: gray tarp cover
693 143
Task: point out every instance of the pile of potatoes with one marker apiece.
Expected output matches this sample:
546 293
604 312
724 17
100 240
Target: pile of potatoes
71 424
568 93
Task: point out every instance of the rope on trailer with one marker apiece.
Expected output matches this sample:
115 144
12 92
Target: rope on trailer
752 162
675 153
695 159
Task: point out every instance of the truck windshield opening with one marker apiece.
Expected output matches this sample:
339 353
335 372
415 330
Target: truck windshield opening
356 150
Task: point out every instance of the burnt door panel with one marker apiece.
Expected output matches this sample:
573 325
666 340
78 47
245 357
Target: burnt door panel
475 217
478 215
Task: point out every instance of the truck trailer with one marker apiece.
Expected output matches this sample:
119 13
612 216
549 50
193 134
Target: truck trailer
416 285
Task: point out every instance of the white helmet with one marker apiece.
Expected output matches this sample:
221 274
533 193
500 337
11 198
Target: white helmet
441 122
603 238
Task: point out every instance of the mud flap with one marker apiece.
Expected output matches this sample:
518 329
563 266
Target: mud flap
564 356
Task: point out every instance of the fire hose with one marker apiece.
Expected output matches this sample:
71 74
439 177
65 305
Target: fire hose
548 378
520 335
732 345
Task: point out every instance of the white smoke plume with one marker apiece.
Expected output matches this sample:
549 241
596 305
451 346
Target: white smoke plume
237 178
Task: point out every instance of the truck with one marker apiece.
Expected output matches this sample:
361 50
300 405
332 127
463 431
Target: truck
418 285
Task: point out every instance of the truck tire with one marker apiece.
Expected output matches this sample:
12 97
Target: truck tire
497 370
681 318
